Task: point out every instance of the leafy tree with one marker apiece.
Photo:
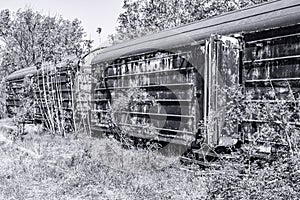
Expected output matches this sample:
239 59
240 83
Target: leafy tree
141 17
28 37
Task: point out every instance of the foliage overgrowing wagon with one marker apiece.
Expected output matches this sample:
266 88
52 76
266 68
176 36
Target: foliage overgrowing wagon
44 94
176 84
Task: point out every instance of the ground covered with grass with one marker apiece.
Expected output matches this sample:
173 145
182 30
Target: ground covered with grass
40 165
43 166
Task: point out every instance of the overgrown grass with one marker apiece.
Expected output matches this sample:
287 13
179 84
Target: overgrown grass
277 180
43 166
46 166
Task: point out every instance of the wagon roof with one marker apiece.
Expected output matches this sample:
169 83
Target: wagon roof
33 70
22 73
263 16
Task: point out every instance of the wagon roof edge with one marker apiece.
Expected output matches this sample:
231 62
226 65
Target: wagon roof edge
262 16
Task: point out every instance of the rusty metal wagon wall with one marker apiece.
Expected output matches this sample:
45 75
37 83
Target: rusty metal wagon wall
182 69
175 80
168 76
17 86
271 75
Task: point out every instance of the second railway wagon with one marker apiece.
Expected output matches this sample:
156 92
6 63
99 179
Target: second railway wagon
183 71
56 94
45 94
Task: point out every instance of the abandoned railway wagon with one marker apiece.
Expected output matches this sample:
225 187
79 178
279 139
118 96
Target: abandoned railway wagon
169 86
175 86
44 94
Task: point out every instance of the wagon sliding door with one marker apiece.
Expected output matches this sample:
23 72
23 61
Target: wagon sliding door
221 74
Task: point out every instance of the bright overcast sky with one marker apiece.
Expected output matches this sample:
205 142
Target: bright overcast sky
92 13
